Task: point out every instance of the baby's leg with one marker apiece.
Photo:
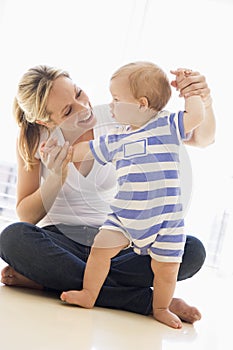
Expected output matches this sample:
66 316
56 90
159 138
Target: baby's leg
107 244
165 276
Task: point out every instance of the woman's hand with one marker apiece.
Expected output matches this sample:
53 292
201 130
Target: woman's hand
192 83
56 158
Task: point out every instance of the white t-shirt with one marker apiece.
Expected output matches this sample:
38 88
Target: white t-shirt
84 200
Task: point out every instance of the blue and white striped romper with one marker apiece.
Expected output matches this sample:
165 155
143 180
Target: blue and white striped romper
147 207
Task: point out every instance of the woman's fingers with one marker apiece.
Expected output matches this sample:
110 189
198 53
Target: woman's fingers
196 86
191 83
55 157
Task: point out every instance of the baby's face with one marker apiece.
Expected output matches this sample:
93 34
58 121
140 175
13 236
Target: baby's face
124 107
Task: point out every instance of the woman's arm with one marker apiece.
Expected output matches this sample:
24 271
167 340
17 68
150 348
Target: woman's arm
195 84
33 199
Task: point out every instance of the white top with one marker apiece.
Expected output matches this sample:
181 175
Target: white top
84 200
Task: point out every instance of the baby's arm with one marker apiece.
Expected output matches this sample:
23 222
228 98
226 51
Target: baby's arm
194 113
80 151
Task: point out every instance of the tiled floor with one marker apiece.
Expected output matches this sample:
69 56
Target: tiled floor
33 320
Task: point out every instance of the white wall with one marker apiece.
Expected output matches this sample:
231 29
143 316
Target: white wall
92 38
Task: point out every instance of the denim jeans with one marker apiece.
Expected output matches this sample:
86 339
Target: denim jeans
48 257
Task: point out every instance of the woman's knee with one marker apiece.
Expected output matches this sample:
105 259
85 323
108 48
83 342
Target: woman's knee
10 237
193 258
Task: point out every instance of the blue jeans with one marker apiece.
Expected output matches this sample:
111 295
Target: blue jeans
48 257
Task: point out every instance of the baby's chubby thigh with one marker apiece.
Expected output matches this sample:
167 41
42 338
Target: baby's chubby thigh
110 238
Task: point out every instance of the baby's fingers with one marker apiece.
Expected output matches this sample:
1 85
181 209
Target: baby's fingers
48 145
51 142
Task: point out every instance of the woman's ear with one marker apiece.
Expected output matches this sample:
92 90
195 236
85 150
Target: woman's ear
143 102
48 125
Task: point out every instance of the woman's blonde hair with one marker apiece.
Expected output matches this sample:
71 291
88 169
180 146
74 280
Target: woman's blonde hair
30 106
148 80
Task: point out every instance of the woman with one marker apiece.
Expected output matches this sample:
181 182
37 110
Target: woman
61 207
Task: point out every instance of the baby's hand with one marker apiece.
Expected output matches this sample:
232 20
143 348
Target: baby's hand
47 146
181 74
55 157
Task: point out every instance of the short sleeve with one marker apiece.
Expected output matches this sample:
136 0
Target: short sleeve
177 120
99 149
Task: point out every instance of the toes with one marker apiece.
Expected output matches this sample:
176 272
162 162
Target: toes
63 296
176 324
186 312
7 280
6 271
8 275
196 315
192 315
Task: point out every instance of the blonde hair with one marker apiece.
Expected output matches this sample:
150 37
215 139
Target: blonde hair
148 80
30 105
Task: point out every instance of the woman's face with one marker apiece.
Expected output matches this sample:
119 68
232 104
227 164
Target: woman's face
69 106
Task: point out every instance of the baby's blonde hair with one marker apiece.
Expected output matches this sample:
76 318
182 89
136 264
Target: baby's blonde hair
30 106
148 80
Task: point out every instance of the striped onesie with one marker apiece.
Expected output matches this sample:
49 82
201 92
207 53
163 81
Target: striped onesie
147 208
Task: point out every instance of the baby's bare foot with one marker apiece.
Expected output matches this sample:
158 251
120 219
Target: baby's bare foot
186 312
78 297
167 317
12 278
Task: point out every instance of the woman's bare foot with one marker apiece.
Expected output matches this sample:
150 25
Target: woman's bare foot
12 278
184 311
78 297
167 317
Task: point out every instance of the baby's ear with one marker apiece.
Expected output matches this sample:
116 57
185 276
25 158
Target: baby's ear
174 83
143 101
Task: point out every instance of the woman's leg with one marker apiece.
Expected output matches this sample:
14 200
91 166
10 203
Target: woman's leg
193 258
31 251
55 262
130 269
46 257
